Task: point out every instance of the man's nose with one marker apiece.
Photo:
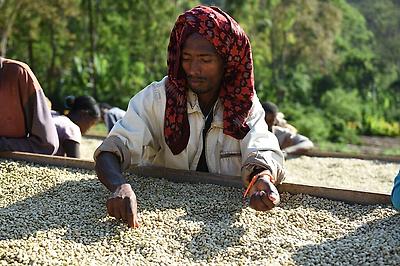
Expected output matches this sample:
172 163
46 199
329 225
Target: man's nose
195 68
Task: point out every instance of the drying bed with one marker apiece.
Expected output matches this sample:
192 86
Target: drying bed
57 216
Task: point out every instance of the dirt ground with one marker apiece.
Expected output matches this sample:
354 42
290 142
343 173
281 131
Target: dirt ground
376 145
355 174
88 146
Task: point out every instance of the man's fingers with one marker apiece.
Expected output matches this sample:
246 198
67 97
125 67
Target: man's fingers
110 207
129 213
114 207
274 197
257 203
266 199
122 210
263 184
122 205
273 194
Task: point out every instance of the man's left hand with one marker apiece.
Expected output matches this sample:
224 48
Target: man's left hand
263 194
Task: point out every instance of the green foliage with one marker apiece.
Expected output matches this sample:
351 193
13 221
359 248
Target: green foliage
99 129
342 104
339 120
344 111
380 127
303 51
309 121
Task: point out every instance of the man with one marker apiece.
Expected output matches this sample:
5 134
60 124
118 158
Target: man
281 122
26 123
289 141
203 116
84 112
110 115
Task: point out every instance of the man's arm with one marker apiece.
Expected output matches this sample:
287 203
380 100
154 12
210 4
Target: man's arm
292 142
300 147
122 204
124 147
108 170
262 168
71 148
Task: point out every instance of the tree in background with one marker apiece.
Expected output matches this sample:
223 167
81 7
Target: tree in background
383 19
41 36
307 53
121 48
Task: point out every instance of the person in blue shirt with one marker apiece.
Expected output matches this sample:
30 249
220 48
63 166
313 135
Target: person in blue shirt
110 115
396 192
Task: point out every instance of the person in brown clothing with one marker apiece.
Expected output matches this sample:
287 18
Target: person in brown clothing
25 119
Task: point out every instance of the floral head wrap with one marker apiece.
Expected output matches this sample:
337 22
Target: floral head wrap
237 86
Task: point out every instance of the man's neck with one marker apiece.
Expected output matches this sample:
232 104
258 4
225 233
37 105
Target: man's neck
207 103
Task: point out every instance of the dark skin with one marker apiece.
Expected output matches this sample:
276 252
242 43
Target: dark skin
204 70
122 204
270 118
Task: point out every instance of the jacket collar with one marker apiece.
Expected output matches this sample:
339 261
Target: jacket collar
194 106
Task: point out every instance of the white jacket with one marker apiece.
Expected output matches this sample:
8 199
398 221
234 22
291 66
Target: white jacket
138 138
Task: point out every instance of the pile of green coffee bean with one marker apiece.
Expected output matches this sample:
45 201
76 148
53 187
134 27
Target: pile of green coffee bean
57 216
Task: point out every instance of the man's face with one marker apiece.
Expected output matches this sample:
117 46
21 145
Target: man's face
202 65
270 119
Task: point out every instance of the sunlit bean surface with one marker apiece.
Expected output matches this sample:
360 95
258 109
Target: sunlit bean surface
57 216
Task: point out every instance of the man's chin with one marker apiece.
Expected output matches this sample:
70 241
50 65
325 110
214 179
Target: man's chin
198 90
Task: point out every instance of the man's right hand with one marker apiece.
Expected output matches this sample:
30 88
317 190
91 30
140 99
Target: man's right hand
123 205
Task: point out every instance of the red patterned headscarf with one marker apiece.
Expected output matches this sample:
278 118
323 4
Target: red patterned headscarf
237 86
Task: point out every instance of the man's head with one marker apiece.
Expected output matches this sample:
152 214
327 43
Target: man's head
84 111
206 33
271 111
104 107
202 65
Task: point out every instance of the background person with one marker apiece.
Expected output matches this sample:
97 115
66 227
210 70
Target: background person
281 122
25 119
203 116
289 140
83 113
110 115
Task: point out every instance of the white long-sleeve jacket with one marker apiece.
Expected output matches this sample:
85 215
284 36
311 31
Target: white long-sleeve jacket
138 138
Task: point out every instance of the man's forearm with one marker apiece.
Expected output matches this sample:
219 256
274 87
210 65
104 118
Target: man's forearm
108 170
299 147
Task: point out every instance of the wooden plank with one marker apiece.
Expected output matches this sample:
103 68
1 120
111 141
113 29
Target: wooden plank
349 196
49 160
316 153
175 175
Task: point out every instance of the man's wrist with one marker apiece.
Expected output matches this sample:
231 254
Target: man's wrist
268 176
259 171
119 185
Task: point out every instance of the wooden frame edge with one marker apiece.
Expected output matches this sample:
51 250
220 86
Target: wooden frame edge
175 175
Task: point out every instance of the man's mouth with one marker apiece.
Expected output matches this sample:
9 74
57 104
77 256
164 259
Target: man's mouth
196 81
